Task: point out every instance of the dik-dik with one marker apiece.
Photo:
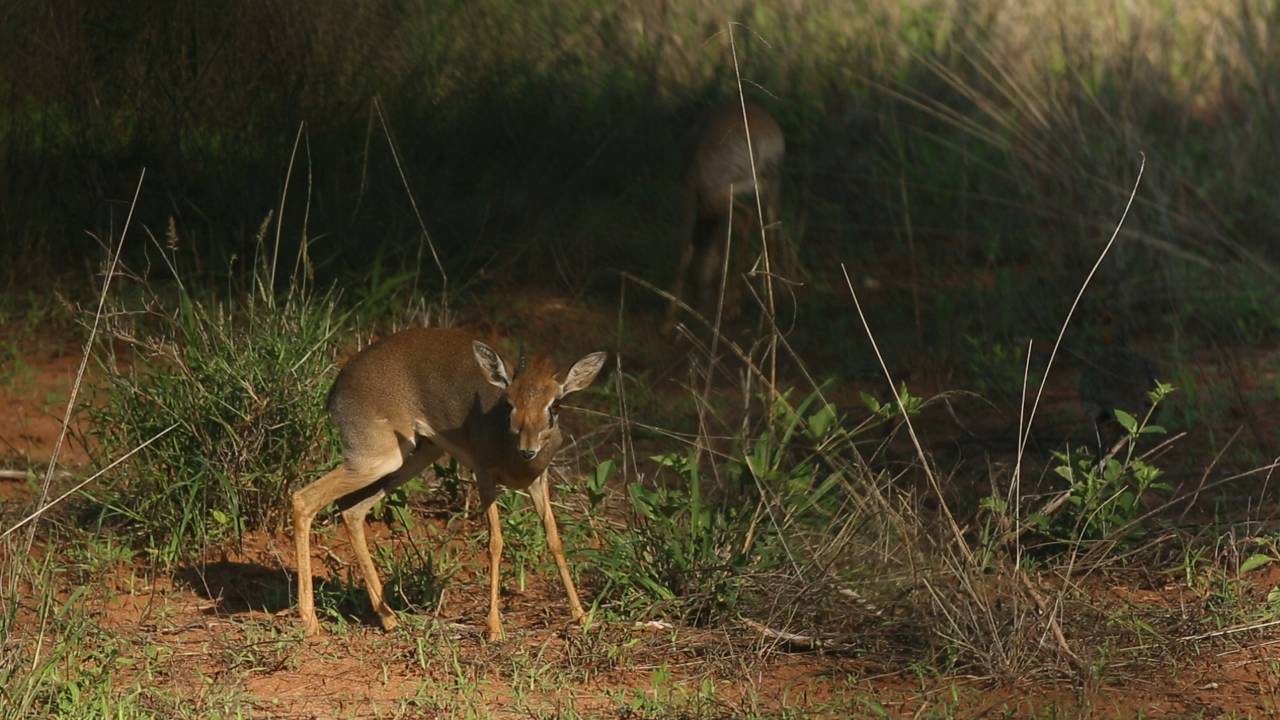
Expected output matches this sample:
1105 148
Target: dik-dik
411 397
720 196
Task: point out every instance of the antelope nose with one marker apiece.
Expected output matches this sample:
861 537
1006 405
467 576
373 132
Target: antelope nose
528 454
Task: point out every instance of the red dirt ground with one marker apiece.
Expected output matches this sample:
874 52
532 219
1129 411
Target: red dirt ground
33 394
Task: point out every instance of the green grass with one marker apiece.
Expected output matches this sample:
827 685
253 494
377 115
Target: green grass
244 380
62 663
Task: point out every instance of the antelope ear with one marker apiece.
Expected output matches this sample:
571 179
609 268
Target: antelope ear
491 363
583 372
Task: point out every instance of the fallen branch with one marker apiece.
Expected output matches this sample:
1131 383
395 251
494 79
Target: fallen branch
1051 617
866 604
1230 631
803 641
29 474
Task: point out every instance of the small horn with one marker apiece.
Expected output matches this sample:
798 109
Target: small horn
524 360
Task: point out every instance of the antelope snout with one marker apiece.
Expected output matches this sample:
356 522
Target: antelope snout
528 454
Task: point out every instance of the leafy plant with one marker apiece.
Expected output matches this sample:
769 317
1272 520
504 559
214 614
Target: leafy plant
998 367
890 410
245 381
523 545
417 579
695 538
1105 493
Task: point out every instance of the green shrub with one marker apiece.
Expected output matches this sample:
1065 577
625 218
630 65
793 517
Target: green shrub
245 380
696 538
1103 496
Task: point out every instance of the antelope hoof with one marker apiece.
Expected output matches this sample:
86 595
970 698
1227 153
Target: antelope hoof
388 621
493 631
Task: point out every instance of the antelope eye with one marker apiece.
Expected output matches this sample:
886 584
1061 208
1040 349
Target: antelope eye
554 412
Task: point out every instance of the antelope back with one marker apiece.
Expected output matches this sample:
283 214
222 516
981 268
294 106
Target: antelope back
420 381
722 158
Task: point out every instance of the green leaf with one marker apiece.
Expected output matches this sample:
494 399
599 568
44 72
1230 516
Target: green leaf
1161 391
670 460
403 516
1129 422
993 504
602 473
870 401
1255 561
758 460
821 421
642 500
1116 469
598 480
1127 501
910 403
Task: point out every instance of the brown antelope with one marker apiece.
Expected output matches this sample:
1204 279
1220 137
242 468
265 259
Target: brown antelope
409 398
720 194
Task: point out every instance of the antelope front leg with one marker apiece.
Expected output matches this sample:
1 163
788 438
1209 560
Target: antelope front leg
540 493
488 496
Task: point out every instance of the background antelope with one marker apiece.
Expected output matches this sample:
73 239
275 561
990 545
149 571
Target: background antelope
409 398
720 196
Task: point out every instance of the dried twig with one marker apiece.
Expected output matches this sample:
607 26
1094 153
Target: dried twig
113 261
25 474
1051 617
45 507
790 638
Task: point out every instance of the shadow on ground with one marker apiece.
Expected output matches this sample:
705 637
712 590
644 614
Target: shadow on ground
238 587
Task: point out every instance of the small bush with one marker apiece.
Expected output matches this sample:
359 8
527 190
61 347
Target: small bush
1106 492
245 381
695 539
1103 500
